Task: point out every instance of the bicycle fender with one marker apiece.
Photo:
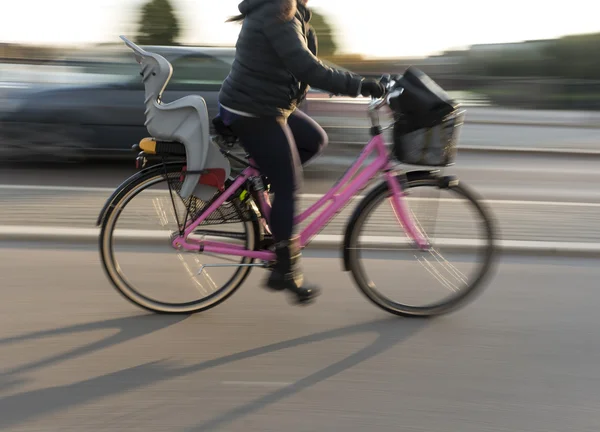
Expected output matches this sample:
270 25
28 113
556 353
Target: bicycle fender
381 187
124 187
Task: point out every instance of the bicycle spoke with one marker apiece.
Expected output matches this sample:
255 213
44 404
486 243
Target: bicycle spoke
145 207
457 280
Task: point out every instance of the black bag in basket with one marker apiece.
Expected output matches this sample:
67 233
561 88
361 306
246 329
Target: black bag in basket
425 129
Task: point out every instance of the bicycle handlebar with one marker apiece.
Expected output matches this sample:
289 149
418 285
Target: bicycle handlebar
390 91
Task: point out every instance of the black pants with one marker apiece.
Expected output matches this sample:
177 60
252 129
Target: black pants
280 148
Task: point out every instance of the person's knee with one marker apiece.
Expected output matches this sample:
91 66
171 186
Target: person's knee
317 142
310 135
322 141
319 136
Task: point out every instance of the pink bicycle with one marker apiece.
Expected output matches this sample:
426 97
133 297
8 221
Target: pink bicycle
204 229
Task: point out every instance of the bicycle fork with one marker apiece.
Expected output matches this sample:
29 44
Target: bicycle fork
403 213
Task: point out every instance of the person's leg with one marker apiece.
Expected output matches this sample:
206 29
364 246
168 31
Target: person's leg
311 139
271 145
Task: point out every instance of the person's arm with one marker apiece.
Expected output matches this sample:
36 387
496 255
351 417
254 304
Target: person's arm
287 39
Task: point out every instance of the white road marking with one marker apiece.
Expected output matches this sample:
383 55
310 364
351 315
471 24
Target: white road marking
37 233
312 196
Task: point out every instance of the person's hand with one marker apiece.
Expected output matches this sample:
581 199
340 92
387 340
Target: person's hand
372 87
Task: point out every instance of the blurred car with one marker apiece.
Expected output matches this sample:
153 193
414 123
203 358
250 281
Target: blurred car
102 112
94 107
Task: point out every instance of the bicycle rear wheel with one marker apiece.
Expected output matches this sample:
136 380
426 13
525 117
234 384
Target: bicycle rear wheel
132 243
376 248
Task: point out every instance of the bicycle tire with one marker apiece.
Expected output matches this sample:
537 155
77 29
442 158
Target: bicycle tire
126 192
352 260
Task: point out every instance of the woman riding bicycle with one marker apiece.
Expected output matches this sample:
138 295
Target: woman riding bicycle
275 63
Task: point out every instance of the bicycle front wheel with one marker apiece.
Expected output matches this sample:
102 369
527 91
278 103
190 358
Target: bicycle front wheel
136 250
379 254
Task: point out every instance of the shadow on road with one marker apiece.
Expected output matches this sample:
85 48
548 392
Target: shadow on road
129 328
22 407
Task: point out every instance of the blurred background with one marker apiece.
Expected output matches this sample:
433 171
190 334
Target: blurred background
76 356
75 86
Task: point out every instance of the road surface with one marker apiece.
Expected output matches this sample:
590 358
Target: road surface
484 127
355 131
76 356
522 357
533 198
494 175
493 128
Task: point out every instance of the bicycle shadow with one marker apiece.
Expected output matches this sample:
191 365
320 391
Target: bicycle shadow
18 408
129 328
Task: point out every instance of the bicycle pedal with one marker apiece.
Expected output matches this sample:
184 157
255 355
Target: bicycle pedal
268 265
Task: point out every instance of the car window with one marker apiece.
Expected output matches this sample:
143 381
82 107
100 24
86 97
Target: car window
113 71
200 70
95 67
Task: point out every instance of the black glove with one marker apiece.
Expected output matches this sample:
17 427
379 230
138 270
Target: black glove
372 87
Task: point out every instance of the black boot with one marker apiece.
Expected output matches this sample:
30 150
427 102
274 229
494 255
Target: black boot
287 274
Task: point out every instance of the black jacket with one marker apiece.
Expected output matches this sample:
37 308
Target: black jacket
275 61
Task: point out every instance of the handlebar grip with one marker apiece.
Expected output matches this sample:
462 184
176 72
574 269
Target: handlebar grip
385 79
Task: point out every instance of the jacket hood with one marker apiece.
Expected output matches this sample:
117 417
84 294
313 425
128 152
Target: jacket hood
285 8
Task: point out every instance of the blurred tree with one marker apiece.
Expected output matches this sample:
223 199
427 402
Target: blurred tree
576 56
158 24
325 35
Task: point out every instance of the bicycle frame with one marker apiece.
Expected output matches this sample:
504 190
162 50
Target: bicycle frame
339 195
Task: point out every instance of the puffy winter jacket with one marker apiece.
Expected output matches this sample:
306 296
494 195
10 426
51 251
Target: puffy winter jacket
275 61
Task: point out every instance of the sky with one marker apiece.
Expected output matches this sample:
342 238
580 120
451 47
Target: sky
379 28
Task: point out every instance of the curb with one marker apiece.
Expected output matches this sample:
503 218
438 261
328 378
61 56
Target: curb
323 241
514 247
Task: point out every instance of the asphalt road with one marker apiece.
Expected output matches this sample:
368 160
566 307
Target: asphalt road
523 357
483 135
494 175
530 136
564 177
484 127
348 129
76 356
